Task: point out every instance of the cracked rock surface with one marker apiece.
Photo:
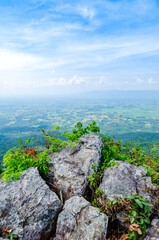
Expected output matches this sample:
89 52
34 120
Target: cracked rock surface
70 167
28 206
80 221
124 180
152 232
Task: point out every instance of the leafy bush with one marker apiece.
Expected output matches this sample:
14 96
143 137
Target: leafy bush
79 130
148 157
137 208
8 233
136 214
16 160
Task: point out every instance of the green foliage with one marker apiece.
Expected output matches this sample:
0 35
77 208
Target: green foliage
53 143
79 130
132 152
18 159
146 157
8 233
94 178
139 214
138 209
136 212
111 150
12 236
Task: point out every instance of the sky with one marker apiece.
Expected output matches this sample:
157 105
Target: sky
54 47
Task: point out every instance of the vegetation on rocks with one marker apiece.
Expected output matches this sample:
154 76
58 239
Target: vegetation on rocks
137 209
16 160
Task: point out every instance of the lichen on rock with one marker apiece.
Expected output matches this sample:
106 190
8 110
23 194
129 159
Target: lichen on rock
70 167
28 206
80 221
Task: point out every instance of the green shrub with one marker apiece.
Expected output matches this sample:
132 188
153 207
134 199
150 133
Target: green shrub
137 208
146 157
16 160
136 214
79 130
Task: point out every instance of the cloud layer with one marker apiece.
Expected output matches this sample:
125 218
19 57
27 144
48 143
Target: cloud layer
52 45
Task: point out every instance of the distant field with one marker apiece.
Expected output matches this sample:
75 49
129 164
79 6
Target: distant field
124 119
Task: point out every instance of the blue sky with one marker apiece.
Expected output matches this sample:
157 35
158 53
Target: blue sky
60 46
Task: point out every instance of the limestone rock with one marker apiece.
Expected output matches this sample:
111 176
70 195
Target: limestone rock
28 206
126 179
70 167
80 221
152 232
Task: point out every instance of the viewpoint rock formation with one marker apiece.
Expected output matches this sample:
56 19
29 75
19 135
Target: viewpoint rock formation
35 212
70 167
127 179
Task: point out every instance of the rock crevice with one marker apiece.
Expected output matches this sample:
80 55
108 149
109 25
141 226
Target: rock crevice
29 207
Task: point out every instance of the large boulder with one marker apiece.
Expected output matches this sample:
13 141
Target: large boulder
125 179
28 206
70 167
152 232
80 221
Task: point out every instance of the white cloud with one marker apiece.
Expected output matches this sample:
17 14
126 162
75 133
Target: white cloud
61 81
139 81
151 81
75 80
16 60
87 12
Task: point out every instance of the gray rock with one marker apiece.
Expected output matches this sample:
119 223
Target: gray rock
70 167
80 221
152 232
126 179
28 206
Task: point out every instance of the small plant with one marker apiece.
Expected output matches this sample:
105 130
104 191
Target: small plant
16 160
148 157
8 233
110 150
94 178
136 213
12 236
138 216
79 130
54 144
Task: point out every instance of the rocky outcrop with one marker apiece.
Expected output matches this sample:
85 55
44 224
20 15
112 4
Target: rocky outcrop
28 206
70 167
80 221
152 232
125 179
34 212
